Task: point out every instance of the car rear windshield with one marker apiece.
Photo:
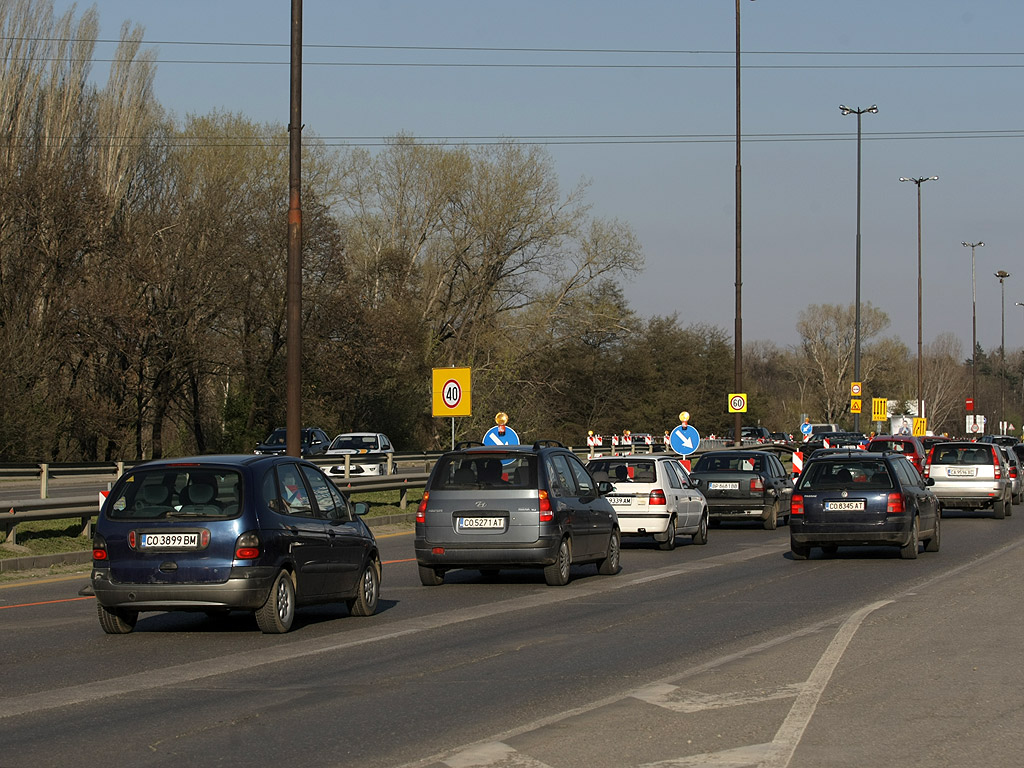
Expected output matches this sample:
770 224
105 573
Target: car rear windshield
485 470
900 446
962 454
177 492
834 475
740 463
623 470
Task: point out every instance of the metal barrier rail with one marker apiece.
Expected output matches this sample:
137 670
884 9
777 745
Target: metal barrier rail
86 508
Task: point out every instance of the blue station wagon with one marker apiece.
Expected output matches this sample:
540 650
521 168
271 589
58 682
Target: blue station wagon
218 533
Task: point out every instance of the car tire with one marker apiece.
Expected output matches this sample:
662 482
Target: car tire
701 536
999 509
799 551
557 574
365 603
932 544
610 565
909 550
275 616
116 621
431 577
670 543
771 521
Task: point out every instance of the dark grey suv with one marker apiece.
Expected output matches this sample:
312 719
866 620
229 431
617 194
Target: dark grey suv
219 533
518 506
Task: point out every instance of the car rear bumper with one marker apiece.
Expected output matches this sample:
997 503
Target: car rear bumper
895 531
245 589
543 551
737 509
963 498
642 523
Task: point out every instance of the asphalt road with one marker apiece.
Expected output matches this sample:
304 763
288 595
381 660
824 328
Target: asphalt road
730 654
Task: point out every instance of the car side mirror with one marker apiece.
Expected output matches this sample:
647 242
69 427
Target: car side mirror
695 482
361 508
604 487
929 481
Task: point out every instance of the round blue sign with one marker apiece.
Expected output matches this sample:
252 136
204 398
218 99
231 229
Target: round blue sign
684 440
805 429
494 437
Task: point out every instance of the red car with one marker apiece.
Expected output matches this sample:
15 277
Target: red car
908 445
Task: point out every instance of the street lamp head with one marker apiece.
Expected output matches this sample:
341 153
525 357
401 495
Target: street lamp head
965 244
1002 274
873 109
904 178
845 109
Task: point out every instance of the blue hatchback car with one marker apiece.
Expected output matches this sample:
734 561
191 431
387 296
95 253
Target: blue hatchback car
220 533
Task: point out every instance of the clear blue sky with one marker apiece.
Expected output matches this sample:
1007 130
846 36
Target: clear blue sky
929 65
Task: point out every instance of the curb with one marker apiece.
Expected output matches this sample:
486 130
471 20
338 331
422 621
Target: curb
10 564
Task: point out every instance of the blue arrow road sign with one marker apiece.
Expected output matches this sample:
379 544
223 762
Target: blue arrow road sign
684 440
492 436
805 429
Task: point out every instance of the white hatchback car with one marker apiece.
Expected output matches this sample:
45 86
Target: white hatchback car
653 496
369 453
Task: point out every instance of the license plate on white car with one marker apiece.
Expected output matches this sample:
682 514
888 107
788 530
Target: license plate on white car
961 471
845 506
620 501
481 523
724 486
169 541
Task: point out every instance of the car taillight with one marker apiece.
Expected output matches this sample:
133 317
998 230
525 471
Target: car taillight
797 505
133 539
546 515
247 546
657 498
895 504
996 467
99 547
421 510
757 484
927 469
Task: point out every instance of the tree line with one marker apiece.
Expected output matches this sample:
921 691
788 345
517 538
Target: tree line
142 284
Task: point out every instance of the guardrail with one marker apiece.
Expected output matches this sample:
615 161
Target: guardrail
85 508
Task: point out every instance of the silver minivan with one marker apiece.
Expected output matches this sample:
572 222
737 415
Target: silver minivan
971 476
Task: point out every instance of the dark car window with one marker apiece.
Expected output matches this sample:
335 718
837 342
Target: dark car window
673 477
177 492
292 495
907 472
832 475
584 482
465 471
560 476
326 502
739 463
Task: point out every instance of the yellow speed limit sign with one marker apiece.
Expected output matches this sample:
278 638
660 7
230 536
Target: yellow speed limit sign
451 392
738 403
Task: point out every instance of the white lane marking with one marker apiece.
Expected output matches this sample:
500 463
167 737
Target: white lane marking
687 701
348 638
779 751
493 755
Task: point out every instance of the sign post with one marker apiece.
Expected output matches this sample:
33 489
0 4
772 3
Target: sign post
451 388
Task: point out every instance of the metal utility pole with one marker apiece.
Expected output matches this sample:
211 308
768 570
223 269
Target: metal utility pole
856 343
920 332
1002 274
293 376
974 325
738 333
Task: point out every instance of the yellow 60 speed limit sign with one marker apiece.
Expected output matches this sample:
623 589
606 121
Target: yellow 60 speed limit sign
738 403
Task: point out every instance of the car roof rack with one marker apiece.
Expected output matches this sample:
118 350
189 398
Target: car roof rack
547 444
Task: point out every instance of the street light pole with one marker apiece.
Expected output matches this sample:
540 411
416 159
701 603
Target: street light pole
974 325
856 343
920 360
1002 274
